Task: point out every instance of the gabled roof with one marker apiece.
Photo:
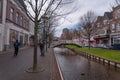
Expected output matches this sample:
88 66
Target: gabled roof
99 18
108 15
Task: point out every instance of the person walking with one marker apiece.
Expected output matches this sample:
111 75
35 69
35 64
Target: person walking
41 44
16 47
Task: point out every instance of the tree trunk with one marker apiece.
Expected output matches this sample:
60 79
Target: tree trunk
35 45
89 43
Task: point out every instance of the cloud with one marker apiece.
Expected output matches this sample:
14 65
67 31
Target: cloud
98 6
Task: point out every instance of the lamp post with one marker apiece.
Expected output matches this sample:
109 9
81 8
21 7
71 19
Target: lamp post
44 33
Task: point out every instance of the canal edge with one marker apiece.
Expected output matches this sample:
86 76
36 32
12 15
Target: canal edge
59 68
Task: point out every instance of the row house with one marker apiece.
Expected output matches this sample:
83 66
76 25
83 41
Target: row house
115 26
108 28
102 25
14 24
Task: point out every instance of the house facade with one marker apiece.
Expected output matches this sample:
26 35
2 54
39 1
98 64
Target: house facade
108 28
115 26
14 24
102 35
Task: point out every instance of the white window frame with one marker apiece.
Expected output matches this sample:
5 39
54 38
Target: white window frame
11 14
17 17
113 27
21 21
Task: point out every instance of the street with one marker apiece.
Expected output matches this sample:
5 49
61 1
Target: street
14 68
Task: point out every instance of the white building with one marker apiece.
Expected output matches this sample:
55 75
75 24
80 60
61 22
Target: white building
14 24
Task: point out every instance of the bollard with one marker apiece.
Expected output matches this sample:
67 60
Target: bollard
115 65
99 59
108 63
103 61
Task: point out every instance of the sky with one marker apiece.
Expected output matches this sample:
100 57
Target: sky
98 6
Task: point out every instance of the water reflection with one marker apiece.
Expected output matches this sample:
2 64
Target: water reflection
79 68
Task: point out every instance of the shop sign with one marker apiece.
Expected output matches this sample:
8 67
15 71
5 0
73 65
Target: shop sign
103 32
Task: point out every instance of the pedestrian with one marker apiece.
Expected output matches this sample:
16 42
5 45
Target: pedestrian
41 44
16 47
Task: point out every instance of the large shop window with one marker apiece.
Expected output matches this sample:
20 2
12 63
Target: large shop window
116 41
13 37
118 26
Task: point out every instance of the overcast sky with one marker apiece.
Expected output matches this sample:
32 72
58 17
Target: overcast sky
98 6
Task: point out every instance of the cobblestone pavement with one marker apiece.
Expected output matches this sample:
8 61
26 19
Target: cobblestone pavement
14 68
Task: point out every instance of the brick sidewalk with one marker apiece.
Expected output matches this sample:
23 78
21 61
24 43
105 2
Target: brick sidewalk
14 68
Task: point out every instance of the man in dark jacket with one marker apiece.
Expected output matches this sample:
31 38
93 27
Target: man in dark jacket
16 47
41 44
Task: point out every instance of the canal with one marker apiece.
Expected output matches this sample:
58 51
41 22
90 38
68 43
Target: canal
77 67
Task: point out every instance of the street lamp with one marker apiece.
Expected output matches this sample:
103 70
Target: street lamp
44 34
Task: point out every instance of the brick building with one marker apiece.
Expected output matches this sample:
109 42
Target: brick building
108 28
14 24
102 35
115 26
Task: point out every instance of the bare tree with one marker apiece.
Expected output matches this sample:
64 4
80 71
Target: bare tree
117 2
87 27
114 3
35 10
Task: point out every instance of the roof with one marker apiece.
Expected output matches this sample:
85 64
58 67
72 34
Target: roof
108 15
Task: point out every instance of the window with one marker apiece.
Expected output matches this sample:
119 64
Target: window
0 7
21 21
98 24
105 22
17 18
27 24
115 14
116 40
24 23
118 13
118 27
113 27
11 14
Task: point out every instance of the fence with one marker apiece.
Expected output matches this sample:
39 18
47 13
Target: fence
104 61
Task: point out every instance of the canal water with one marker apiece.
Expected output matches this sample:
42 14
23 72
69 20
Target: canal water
77 67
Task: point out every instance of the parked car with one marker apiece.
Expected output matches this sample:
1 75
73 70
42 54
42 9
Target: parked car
116 46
